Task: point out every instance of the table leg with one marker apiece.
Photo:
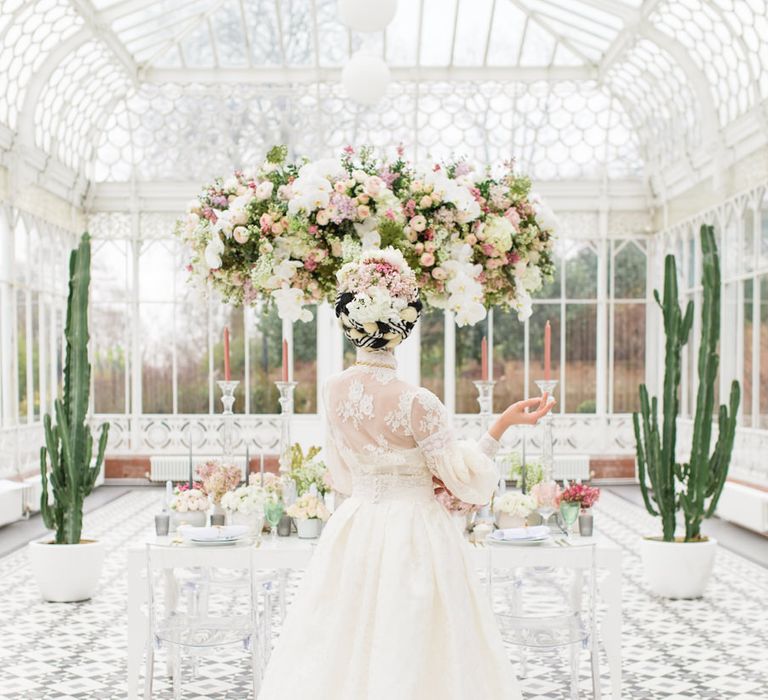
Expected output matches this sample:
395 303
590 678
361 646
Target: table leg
611 625
170 594
137 621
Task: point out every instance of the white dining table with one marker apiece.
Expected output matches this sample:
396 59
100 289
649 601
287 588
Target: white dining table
294 553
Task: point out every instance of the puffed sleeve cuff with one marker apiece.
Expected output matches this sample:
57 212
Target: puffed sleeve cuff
488 445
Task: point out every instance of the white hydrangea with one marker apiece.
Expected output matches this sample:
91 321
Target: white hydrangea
528 277
498 232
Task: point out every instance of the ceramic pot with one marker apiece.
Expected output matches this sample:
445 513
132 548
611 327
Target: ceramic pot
309 529
195 518
678 569
66 573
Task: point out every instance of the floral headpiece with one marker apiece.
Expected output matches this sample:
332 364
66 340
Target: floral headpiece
378 301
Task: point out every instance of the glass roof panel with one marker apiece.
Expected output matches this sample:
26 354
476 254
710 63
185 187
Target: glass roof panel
437 32
471 32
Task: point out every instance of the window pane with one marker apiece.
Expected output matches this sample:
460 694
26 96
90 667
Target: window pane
745 411
628 355
192 358
508 359
629 273
748 252
581 274
580 354
432 351
35 333
305 363
468 369
156 362
763 422
266 356
541 314
108 356
21 356
350 351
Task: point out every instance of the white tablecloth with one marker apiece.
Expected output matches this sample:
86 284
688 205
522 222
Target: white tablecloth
293 553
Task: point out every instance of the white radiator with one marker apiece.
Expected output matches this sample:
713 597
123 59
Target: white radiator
176 467
11 501
744 506
569 467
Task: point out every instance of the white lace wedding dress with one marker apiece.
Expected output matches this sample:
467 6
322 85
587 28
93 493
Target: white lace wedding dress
390 607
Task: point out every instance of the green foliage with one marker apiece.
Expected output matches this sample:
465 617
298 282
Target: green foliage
694 486
277 154
534 471
306 470
68 443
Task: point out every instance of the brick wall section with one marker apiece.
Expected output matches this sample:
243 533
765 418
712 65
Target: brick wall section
620 467
138 467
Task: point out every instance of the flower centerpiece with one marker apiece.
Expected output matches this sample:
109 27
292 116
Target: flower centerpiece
513 508
189 506
282 231
309 512
245 505
308 472
576 502
217 478
581 494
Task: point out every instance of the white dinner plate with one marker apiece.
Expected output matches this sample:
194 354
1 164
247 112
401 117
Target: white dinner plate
212 534
521 543
215 543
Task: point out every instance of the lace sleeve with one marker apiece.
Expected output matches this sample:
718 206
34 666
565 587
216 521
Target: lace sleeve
341 476
465 467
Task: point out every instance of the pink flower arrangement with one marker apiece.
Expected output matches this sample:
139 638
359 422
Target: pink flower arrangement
585 496
547 493
218 478
455 506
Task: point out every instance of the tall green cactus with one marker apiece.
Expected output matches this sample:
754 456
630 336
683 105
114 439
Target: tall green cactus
68 443
667 485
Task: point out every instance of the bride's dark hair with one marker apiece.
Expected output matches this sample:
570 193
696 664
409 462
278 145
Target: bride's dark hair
377 335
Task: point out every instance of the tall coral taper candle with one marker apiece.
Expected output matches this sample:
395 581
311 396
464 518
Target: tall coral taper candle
227 375
547 351
285 360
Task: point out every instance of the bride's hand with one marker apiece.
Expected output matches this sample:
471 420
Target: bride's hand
518 414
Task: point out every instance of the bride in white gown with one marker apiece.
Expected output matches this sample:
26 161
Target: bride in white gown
390 607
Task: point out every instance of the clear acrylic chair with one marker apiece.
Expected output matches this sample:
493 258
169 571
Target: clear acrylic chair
549 609
186 631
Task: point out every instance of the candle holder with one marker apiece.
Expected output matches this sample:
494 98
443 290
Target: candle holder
547 386
227 428
485 400
286 390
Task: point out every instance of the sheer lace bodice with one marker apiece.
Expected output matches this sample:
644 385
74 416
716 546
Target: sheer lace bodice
387 438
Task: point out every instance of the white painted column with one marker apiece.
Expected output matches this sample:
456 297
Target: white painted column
135 347
7 325
757 231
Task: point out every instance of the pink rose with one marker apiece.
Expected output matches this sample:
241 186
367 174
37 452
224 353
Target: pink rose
427 260
240 234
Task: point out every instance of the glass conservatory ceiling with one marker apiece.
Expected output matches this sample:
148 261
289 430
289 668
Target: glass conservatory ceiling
178 89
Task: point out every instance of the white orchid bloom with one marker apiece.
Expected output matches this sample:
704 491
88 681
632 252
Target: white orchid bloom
290 304
545 217
369 236
213 252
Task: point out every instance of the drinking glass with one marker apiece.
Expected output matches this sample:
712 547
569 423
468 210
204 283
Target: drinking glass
570 513
273 511
546 496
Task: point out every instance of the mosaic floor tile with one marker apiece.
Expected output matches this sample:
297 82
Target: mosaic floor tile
711 649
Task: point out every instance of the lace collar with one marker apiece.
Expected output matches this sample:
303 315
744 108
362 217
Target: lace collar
376 358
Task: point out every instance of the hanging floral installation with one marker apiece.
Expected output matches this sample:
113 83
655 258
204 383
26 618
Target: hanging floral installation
284 230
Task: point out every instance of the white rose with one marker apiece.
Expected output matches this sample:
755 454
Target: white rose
264 190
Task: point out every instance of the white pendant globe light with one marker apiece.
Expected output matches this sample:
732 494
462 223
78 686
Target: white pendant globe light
367 15
365 78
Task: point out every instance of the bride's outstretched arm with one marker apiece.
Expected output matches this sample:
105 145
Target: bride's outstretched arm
518 414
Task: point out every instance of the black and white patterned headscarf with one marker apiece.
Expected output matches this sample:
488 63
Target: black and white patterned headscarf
377 335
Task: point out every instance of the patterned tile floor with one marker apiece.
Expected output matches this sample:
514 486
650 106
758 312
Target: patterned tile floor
715 648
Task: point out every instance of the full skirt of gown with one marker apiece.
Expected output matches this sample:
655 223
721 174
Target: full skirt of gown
390 608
